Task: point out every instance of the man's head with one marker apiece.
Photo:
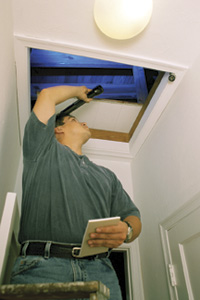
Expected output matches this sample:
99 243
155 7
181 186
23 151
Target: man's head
60 119
69 130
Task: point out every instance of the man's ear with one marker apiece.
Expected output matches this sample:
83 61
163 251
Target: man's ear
58 130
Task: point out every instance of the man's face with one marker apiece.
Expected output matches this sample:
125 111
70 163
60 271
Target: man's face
76 127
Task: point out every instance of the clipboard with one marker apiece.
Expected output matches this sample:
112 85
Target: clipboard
85 249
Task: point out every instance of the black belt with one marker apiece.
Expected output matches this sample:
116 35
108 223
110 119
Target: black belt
54 250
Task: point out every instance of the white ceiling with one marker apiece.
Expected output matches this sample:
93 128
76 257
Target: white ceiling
168 38
65 25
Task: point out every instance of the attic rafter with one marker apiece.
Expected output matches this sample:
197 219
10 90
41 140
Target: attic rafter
76 71
122 92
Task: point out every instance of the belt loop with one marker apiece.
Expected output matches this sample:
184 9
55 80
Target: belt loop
24 249
109 251
47 250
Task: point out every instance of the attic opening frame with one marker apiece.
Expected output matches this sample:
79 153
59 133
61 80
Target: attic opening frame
154 110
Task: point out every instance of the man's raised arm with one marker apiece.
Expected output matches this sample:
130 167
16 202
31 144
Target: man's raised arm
48 98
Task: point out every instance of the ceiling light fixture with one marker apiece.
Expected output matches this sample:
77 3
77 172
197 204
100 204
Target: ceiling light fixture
122 19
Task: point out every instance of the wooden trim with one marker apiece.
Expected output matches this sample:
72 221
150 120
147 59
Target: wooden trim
144 107
110 135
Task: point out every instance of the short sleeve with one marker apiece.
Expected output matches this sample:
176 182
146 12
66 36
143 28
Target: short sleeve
38 137
122 205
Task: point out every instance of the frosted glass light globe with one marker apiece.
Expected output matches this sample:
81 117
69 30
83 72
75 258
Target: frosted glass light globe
122 19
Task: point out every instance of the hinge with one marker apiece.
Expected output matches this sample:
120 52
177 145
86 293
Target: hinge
172 275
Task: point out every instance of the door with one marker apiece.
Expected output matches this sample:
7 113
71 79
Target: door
182 242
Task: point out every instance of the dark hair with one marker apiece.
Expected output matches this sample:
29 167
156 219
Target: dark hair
60 118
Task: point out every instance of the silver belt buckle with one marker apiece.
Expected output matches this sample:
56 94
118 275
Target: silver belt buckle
76 251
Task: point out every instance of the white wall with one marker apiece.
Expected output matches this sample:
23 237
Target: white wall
9 134
166 174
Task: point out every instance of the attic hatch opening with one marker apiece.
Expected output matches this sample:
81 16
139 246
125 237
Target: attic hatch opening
113 115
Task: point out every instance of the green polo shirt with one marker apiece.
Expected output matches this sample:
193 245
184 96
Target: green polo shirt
63 190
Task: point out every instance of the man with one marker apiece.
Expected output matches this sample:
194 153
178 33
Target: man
62 190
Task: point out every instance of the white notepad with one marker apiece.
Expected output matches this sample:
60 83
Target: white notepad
85 249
